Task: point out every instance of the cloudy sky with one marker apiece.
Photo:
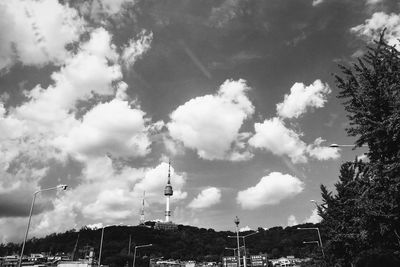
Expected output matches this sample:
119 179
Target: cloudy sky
238 94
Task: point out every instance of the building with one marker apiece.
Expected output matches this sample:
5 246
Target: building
168 192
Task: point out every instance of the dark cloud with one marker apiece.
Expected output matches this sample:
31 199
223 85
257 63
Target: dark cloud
18 203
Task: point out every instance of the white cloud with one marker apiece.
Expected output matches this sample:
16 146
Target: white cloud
317 2
210 124
86 73
322 152
301 98
136 48
274 136
112 7
292 221
10 127
206 198
110 203
105 194
154 182
95 226
363 158
314 217
270 190
373 26
113 127
245 229
36 32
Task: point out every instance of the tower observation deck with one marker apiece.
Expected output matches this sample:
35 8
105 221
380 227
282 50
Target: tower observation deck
168 192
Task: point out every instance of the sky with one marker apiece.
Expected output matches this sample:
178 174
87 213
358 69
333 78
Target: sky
239 95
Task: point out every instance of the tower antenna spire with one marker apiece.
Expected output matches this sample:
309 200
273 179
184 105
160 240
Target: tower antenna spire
142 220
169 171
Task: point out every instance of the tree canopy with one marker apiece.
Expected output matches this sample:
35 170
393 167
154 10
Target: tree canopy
362 217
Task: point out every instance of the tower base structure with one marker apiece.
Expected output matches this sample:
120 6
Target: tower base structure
166 226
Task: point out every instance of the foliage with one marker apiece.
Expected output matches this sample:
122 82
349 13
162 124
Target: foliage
363 215
187 243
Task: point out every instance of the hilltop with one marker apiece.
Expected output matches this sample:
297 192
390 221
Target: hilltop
186 243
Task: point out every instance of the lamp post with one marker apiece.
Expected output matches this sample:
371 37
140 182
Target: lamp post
237 221
244 240
319 237
61 186
311 242
101 245
234 251
134 254
337 146
315 202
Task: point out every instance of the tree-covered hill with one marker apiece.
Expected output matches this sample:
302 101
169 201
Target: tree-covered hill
186 243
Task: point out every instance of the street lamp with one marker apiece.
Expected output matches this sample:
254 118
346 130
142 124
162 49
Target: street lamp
62 187
101 245
134 254
311 242
234 250
244 240
319 236
315 202
237 221
336 145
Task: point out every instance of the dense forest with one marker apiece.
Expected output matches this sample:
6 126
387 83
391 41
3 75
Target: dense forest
186 243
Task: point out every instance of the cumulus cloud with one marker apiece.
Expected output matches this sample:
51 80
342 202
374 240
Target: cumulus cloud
210 124
303 97
322 152
113 127
206 198
270 190
37 32
314 217
245 229
292 221
83 114
373 26
85 74
274 136
106 194
154 182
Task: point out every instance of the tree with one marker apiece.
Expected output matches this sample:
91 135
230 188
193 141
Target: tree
363 215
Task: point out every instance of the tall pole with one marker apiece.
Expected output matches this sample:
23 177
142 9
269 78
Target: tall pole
237 221
320 243
134 257
27 228
101 246
245 253
129 245
244 245
61 186
134 254
319 237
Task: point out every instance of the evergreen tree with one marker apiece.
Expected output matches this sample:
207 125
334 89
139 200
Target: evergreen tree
362 217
